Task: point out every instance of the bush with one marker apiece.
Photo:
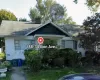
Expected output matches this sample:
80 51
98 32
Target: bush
2 65
59 62
48 56
2 55
61 57
33 59
7 64
90 58
72 58
96 59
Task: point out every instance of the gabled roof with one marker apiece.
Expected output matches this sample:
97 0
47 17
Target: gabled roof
16 28
45 25
11 28
73 30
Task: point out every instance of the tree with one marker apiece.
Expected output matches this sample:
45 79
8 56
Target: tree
5 15
93 5
35 15
43 6
90 38
23 19
43 11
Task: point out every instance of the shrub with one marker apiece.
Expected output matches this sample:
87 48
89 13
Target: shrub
61 57
2 65
2 55
48 55
59 62
47 58
90 58
7 64
33 59
96 59
72 58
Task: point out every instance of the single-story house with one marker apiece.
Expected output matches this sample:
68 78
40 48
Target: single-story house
19 35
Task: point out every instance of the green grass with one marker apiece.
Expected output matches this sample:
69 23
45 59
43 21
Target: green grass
55 74
6 78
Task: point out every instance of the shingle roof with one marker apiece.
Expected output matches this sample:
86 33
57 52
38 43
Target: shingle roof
73 30
16 28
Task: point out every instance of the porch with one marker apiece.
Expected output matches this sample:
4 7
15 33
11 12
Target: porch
16 45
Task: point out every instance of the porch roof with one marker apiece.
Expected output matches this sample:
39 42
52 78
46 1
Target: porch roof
16 28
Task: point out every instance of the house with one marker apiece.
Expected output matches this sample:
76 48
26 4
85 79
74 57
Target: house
19 35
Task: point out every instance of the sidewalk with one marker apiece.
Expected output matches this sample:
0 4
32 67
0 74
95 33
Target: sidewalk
18 74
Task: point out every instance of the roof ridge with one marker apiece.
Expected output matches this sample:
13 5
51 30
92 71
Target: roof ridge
17 21
68 24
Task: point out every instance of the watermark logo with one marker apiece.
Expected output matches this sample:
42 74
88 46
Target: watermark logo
40 40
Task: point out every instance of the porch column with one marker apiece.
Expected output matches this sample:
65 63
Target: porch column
59 43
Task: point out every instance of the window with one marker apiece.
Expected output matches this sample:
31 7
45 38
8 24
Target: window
69 44
32 42
75 44
17 45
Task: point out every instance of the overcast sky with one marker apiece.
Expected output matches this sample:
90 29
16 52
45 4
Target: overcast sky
21 8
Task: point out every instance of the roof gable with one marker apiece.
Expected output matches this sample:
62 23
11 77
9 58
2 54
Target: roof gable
48 28
16 28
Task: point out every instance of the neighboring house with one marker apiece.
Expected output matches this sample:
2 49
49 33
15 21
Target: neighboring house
19 35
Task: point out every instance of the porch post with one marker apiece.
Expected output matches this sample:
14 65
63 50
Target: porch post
59 43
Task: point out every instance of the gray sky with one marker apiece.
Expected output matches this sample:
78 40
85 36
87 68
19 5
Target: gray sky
21 8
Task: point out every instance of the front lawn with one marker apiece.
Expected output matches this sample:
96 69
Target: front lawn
7 77
55 74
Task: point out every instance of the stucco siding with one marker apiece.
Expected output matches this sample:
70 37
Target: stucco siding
18 53
9 48
24 44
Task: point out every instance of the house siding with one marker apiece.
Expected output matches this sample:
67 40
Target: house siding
9 48
11 51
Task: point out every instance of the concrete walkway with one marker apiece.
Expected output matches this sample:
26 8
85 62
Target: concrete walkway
18 74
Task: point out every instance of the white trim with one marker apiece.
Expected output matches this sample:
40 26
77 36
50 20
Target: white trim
46 24
67 38
44 35
37 28
61 29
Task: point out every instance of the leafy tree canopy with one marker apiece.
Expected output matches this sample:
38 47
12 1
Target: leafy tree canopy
93 5
90 38
43 9
7 15
23 19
